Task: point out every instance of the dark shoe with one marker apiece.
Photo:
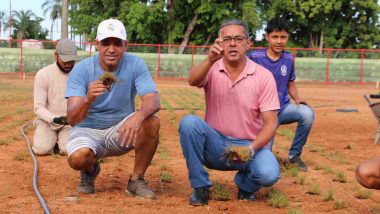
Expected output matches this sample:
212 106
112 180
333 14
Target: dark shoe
87 180
199 197
244 195
296 160
139 189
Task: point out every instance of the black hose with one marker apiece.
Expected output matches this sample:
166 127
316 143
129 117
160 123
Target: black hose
35 187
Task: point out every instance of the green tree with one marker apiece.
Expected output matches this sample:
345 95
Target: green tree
323 23
26 25
55 9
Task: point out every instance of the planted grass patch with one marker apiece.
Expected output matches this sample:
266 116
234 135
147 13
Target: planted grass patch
300 179
219 192
329 195
166 177
335 156
363 194
277 199
340 176
288 133
340 204
20 156
314 189
293 210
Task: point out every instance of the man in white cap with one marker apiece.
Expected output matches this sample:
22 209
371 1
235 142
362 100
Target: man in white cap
105 122
49 100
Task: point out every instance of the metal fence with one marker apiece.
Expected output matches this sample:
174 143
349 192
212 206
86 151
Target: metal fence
164 61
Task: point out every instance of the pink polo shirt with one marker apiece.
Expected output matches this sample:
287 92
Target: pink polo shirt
234 108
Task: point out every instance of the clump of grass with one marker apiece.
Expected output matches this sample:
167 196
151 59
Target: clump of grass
294 211
236 153
300 179
293 171
288 133
163 167
277 199
108 78
341 177
329 195
219 192
166 177
339 204
314 189
363 194
20 156
5 141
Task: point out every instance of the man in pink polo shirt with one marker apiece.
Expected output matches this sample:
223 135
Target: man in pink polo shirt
241 110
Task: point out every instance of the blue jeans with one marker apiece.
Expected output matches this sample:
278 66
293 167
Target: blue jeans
204 146
304 116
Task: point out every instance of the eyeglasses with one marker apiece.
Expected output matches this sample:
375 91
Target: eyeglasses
237 39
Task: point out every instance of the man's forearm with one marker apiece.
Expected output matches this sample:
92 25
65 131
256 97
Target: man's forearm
199 72
267 133
150 105
77 111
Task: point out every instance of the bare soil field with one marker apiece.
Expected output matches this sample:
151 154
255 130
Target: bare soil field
339 141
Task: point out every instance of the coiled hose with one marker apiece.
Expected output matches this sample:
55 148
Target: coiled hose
35 187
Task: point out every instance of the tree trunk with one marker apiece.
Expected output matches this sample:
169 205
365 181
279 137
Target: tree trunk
206 42
51 29
171 25
64 19
188 32
321 42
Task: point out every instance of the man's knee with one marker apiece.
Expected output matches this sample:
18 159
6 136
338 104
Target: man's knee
81 159
307 114
188 123
269 178
41 151
151 123
363 175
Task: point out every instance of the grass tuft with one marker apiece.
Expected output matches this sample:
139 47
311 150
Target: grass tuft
329 195
314 189
219 192
339 204
363 194
277 199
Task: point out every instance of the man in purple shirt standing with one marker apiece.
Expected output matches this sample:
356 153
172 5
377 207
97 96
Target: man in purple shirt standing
281 64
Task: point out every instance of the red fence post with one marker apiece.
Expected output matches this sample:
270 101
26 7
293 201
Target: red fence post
361 66
327 66
158 62
20 72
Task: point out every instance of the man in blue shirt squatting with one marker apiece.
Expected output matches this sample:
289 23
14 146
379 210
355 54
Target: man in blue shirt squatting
104 122
281 64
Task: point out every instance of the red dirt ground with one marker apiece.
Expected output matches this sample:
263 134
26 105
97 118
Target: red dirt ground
338 140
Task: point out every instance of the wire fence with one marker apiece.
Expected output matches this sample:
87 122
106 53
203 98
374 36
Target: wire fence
173 61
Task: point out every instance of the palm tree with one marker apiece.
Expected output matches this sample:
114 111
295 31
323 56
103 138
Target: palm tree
2 17
23 23
55 8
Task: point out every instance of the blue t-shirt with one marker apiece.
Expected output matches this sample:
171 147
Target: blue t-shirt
282 70
110 108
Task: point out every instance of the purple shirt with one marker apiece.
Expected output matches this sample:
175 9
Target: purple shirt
282 70
234 108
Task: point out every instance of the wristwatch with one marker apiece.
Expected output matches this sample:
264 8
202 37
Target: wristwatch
252 151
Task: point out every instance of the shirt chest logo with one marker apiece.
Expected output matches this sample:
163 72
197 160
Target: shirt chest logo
284 70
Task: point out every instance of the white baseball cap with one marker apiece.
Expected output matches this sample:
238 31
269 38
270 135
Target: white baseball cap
111 28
